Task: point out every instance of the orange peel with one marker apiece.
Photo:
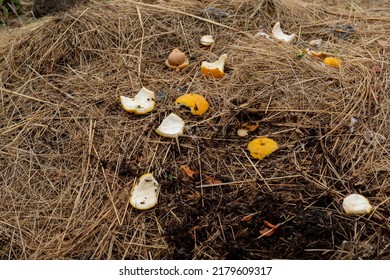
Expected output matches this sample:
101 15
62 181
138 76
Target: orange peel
333 62
142 103
171 127
261 147
356 204
144 194
214 69
278 34
196 102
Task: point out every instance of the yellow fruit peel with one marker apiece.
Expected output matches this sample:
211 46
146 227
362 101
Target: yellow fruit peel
142 103
144 194
196 102
172 126
261 147
333 62
214 69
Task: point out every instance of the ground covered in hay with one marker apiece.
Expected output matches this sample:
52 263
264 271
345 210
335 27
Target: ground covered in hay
70 154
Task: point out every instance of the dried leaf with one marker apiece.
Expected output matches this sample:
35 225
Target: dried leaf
247 218
250 126
211 181
268 224
269 230
190 173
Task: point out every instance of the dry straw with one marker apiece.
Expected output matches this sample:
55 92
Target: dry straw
70 153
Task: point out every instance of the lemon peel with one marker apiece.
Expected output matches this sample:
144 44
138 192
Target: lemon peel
214 69
356 204
332 61
196 102
142 103
278 34
172 126
261 147
144 194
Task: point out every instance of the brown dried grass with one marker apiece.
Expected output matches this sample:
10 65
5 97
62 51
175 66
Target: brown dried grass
70 153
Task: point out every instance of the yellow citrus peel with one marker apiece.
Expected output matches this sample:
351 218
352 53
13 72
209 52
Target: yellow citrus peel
214 69
261 147
196 102
333 62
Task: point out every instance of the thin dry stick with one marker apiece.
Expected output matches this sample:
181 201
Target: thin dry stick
142 41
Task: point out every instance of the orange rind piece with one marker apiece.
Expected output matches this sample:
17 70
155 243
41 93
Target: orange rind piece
333 61
141 104
196 102
171 127
214 69
278 34
261 147
144 194
356 204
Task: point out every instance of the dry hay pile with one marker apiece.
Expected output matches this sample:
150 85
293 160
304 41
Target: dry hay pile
70 154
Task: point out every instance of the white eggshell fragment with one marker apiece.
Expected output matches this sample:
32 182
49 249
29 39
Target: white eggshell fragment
356 204
144 194
278 34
